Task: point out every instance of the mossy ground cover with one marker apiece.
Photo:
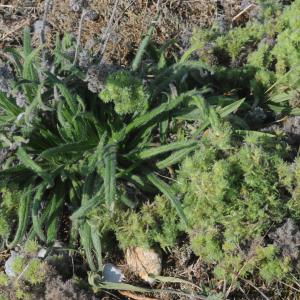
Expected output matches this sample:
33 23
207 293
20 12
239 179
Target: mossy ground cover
188 155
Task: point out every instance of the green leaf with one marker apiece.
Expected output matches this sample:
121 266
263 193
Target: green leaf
176 157
193 114
97 246
98 285
28 71
227 110
169 193
9 107
28 162
68 97
139 181
55 211
86 242
143 45
17 58
283 97
127 201
27 49
150 116
215 115
66 148
155 151
285 110
110 163
23 217
166 279
214 119
15 175
37 225
203 107
175 72
255 133
33 105
88 205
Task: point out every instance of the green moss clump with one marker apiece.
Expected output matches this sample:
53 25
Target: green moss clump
30 273
8 210
4 279
21 294
18 264
126 92
294 179
4 227
31 247
266 50
284 52
35 272
233 195
237 39
154 224
10 199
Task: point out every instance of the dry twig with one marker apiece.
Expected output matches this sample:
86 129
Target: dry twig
7 6
108 30
83 14
256 288
243 11
5 36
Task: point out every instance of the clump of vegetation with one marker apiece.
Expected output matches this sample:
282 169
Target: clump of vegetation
4 279
8 211
154 224
233 196
69 148
38 279
235 191
28 279
150 155
30 269
265 50
31 247
126 92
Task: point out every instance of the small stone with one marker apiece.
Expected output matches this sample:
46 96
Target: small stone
112 274
9 264
4 86
144 262
6 72
257 114
91 15
6 76
292 125
38 27
42 253
96 76
3 155
287 239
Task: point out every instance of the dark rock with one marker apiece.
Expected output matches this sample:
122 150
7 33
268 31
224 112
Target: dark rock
287 239
291 127
91 15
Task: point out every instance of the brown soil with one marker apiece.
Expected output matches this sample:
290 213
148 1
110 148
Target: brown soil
132 18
